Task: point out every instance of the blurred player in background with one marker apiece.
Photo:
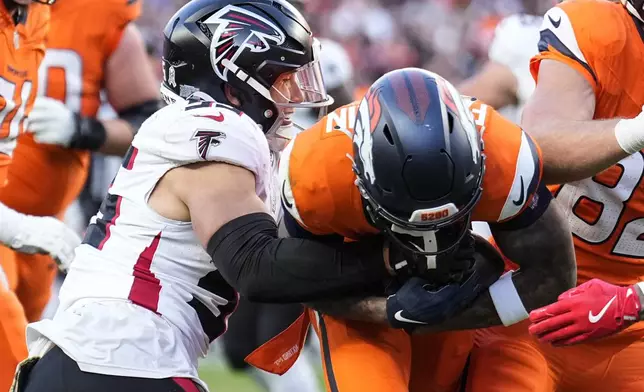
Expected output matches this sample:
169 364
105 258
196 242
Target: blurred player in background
337 71
91 46
504 81
586 114
411 124
24 28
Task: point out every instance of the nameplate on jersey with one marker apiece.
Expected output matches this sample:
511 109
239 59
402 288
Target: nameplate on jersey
342 120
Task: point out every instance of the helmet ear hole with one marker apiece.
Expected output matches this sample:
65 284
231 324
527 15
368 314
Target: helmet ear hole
450 122
387 133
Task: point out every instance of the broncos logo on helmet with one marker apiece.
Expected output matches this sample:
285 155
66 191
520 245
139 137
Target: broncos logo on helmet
238 30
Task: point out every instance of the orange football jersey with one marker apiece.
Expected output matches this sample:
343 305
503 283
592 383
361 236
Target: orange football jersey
22 48
317 179
601 40
83 35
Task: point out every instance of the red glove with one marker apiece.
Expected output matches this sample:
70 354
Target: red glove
587 312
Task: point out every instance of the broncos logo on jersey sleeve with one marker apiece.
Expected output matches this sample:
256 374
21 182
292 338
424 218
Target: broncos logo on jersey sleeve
238 30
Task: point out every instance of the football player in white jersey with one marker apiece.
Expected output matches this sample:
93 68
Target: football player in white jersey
504 81
185 219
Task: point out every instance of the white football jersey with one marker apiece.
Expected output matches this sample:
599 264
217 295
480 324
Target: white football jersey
335 63
142 297
515 42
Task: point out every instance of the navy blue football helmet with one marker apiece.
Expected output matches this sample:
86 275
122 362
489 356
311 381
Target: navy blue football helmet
418 158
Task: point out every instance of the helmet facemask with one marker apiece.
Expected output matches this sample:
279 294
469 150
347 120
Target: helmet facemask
302 87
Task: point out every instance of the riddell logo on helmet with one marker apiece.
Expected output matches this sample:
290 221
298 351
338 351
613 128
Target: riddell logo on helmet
432 216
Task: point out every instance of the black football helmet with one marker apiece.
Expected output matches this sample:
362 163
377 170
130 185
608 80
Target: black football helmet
635 7
418 157
262 49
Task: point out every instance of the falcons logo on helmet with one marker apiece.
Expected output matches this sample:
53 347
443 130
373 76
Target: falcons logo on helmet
205 139
236 30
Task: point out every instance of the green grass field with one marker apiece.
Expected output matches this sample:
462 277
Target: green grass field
221 379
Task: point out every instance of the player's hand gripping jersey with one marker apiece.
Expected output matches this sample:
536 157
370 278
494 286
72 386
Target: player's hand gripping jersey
602 42
156 263
317 179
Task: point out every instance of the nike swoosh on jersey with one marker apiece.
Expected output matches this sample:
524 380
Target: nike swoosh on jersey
522 196
403 319
555 23
594 319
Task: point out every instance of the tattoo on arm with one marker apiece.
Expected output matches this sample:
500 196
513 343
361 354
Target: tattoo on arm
546 255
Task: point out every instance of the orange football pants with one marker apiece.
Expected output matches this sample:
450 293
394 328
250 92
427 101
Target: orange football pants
359 356
509 359
44 181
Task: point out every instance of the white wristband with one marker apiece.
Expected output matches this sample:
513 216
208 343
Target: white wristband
630 134
506 300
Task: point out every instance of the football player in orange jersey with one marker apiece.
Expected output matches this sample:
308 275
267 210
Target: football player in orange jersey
92 46
420 174
23 27
586 114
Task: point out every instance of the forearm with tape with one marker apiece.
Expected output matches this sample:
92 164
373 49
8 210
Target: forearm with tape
630 133
507 301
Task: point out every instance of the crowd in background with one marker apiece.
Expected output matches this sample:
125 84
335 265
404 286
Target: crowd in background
449 37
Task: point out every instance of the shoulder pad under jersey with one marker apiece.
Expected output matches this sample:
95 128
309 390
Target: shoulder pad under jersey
205 131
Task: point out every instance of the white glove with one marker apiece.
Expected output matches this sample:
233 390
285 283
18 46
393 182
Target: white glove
35 234
51 122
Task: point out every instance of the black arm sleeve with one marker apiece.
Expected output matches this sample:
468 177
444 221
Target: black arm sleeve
264 268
